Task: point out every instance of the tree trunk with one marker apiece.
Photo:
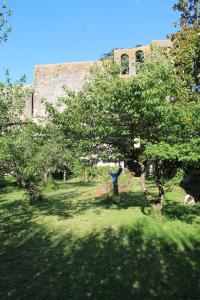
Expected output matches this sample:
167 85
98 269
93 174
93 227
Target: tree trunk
86 176
20 181
33 192
64 175
160 189
158 173
46 175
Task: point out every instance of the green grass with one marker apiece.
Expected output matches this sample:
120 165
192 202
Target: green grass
78 244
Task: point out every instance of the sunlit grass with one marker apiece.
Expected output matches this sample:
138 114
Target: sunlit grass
79 244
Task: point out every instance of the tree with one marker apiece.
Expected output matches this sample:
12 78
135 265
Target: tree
180 151
5 13
111 112
30 151
12 102
56 155
190 12
19 147
186 49
186 54
108 55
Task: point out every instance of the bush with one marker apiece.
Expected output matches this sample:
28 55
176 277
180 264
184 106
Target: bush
96 171
32 191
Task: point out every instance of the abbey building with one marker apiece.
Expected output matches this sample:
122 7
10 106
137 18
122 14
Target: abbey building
49 79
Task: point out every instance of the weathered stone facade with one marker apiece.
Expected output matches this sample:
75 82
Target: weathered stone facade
50 79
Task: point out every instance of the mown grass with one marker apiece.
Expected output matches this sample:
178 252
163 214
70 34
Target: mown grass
79 244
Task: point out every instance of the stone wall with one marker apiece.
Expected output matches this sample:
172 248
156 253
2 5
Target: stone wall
132 56
50 79
131 52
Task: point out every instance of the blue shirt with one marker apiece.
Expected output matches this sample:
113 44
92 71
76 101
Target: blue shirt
115 175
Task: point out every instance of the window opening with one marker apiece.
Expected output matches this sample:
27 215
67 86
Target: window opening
139 56
124 64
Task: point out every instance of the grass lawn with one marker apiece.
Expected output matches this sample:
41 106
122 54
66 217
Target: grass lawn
78 244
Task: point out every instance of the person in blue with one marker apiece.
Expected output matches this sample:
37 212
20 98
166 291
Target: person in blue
115 180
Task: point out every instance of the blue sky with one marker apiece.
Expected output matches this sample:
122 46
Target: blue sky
49 31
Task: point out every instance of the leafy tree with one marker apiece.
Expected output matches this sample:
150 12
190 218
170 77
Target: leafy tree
190 12
186 54
111 112
18 152
12 102
5 13
176 127
108 55
181 150
186 42
31 151
55 154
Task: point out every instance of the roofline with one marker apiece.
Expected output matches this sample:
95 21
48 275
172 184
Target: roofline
68 63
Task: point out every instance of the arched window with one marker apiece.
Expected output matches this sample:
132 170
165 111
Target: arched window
139 56
125 64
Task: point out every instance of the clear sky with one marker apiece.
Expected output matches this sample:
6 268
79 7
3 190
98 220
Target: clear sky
49 31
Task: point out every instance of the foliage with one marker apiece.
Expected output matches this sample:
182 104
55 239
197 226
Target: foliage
12 102
186 54
186 50
18 156
189 10
188 152
175 181
108 55
33 191
31 151
185 154
99 171
115 118
28 151
182 146
111 112
5 13
95 171
55 154
124 64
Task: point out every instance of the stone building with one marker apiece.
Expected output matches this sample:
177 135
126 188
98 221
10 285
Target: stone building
50 79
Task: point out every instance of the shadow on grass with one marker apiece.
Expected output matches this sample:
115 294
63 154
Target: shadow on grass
65 205
127 264
184 213
171 210
59 205
8 189
132 263
124 201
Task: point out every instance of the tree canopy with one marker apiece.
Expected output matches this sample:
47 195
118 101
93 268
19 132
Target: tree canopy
190 12
138 118
5 13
